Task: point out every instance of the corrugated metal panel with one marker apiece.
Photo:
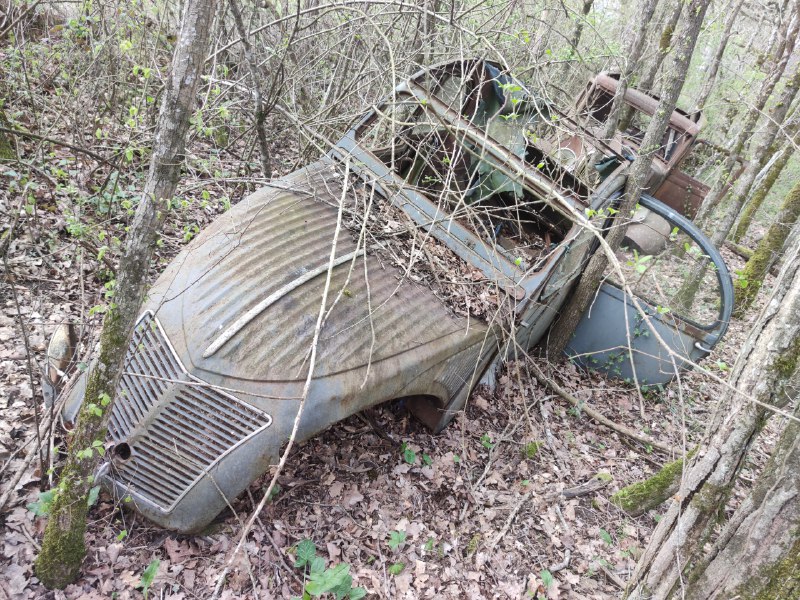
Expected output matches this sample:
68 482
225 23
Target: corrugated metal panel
177 431
287 234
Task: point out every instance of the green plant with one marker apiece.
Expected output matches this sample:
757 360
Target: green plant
396 568
408 454
335 580
486 441
396 539
148 576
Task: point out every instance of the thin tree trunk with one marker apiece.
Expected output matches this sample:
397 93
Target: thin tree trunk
63 547
752 276
580 23
760 157
749 123
763 372
633 54
773 172
255 77
639 172
664 46
713 69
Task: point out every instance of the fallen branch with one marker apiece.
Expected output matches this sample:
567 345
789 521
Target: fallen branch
585 407
42 138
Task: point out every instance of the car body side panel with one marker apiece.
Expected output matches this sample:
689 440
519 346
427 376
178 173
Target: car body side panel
266 242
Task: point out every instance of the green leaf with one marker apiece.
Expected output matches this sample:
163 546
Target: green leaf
547 578
396 538
357 593
94 494
329 580
122 535
408 454
41 507
606 537
317 565
306 551
396 568
148 575
427 460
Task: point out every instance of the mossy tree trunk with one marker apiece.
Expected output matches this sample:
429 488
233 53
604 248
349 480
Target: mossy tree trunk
713 68
762 534
63 550
6 148
752 276
781 48
764 374
584 292
761 192
637 498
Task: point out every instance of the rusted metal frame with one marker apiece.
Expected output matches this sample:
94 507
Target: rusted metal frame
646 103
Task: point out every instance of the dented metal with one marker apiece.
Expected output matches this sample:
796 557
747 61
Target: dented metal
215 372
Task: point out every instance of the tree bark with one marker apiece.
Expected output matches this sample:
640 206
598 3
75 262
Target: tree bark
767 181
761 377
759 158
762 534
664 46
768 251
562 330
633 54
713 69
788 31
580 22
258 99
63 547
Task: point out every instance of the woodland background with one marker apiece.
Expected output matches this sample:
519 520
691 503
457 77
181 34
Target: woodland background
467 513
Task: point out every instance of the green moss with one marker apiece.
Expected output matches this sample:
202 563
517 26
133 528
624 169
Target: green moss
63 548
531 449
759 196
641 496
752 276
787 363
779 580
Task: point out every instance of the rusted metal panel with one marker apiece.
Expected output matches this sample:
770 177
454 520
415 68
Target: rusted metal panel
682 192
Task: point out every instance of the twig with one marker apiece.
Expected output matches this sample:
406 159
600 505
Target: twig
585 407
567 552
42 138
303 398
548 436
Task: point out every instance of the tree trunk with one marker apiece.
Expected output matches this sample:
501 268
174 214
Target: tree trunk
759 158
7 151
787 31
632 55
639 172
752 276
580 22
258 99
664 46
762 534
762 377
713 69
63 549
765 186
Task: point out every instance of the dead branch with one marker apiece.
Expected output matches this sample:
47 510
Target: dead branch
594 414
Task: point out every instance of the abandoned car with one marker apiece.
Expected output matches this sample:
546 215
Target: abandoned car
475 172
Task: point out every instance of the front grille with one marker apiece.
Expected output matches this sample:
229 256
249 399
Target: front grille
190 425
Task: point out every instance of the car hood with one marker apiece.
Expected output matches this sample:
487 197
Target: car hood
242 299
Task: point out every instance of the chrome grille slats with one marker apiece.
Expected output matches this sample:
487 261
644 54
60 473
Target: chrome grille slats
177 426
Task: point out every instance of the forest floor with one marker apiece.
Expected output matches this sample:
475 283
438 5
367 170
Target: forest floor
473 512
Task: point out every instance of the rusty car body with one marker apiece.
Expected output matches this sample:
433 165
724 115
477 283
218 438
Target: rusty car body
216 368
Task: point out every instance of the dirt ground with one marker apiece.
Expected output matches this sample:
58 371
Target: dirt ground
474 512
